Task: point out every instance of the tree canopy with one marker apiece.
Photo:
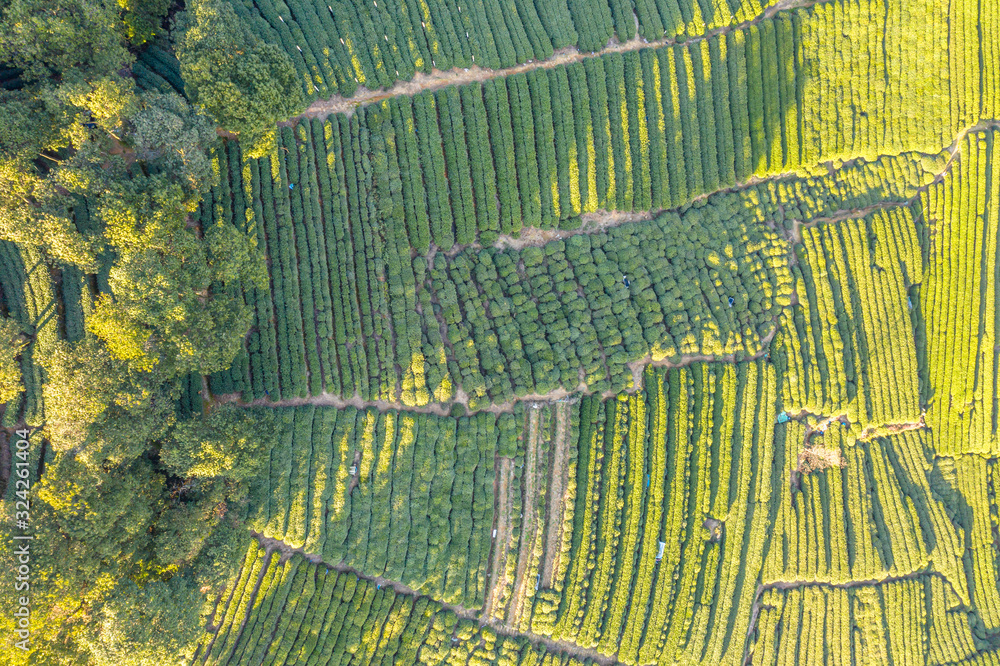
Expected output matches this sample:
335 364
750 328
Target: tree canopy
138 505
228 442
245 84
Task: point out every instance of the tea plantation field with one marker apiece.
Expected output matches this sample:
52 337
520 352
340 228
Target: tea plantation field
667 334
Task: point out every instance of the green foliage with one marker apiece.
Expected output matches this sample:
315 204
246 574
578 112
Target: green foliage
141 625
132 264
100 407
241 81
316 613
33 209
226 443
11 344
57 39
418 503
838 360
957 301
142 19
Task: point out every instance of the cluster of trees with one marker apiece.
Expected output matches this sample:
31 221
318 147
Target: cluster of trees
695 443
113 289
308 614
244 83
958 301
419 508
899 621
124 549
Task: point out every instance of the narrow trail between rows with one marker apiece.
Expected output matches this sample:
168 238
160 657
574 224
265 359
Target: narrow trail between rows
529 522
444 409
437 79
503 524
554 519
276 545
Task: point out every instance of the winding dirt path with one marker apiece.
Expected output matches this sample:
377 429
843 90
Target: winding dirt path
437 79
850 214
590 223
444 409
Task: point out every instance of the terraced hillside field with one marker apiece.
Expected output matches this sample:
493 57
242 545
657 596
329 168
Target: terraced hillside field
581 332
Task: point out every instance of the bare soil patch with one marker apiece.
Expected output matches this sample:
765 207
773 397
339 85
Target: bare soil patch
529 522
817 458
590 223
557 496
501 543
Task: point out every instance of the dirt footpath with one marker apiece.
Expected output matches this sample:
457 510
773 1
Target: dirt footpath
557 497
529 523
501 543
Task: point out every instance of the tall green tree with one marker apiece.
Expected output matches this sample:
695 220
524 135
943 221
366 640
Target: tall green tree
146 624
143 18
170 305
245 84
229 442
101 409
63 41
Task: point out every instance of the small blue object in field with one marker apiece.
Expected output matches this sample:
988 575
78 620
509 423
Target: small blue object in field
292 186
731 301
